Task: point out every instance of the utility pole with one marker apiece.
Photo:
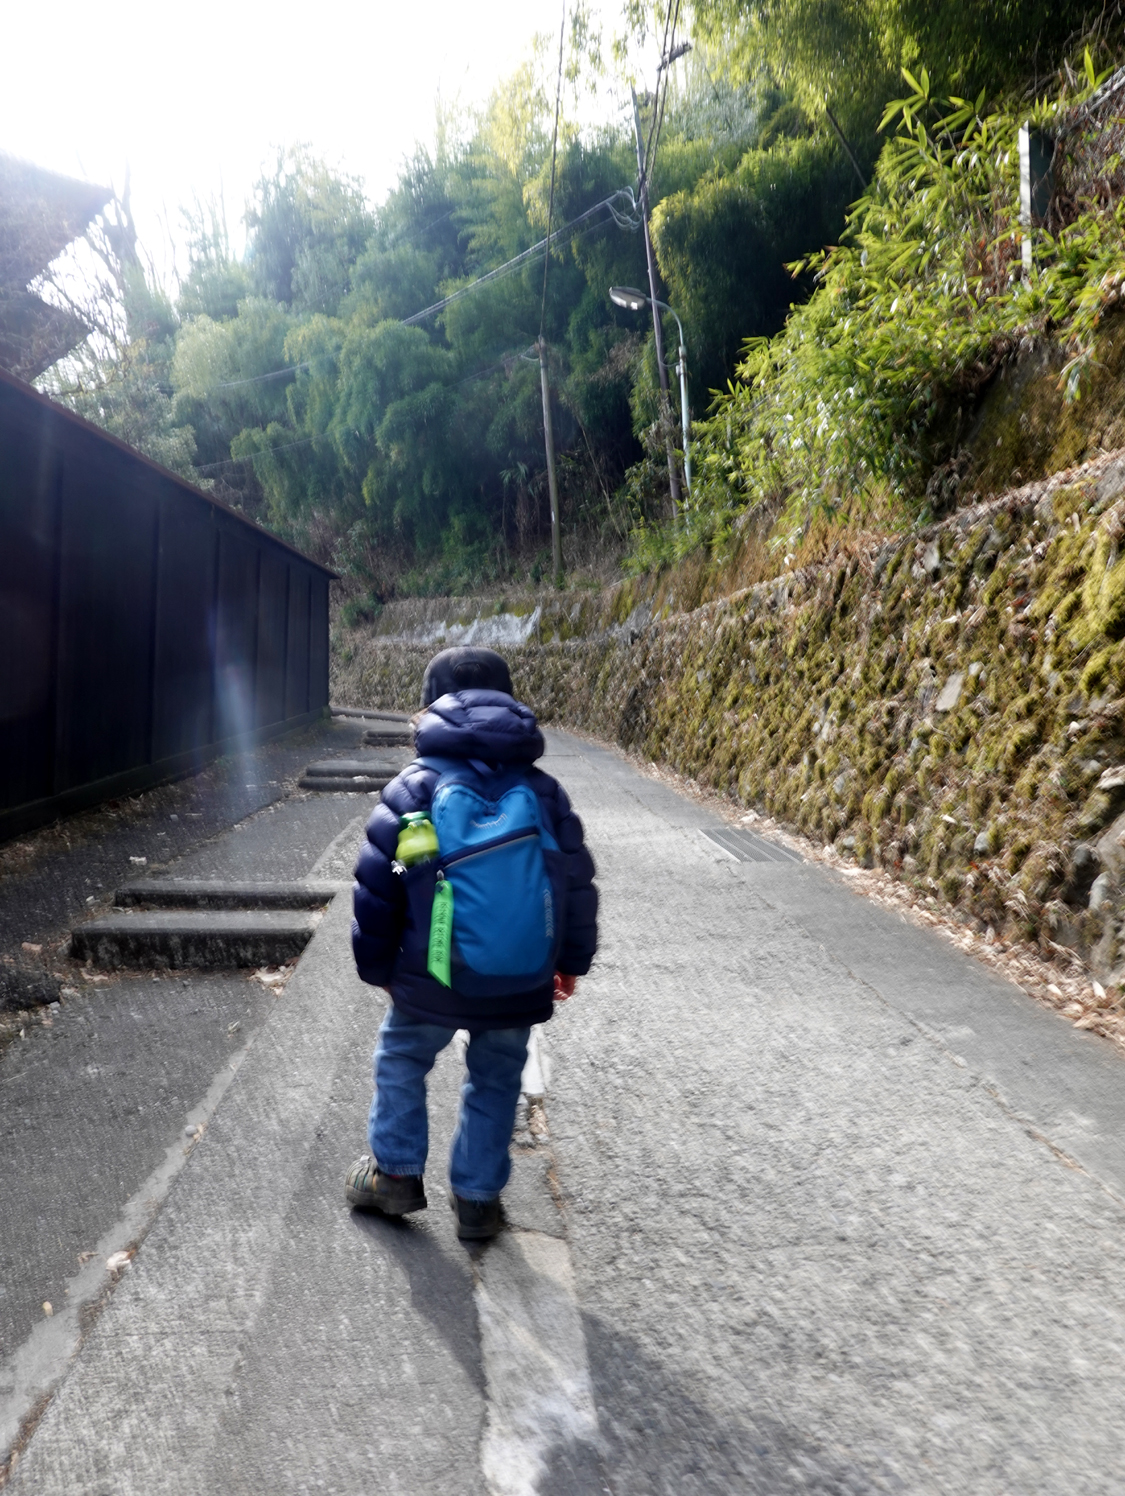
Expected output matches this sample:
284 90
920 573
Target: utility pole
552 482
658 334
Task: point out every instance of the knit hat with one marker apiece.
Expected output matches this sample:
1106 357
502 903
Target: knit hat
465 668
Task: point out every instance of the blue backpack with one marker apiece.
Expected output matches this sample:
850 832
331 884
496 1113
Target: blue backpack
507 878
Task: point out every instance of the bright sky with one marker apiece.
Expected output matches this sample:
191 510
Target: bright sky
195 98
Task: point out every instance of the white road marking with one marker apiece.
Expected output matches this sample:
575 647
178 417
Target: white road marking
537 1071
536 1075
539 1394
534 1350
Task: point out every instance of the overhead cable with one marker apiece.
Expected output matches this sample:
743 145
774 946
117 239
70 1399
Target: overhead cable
612 204
662 94
621 207
234 384
551 201
657 111
237 462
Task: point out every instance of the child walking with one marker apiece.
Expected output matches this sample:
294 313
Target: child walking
478 913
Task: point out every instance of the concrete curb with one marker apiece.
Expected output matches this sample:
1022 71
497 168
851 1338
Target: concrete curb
209 893
356 784
198 938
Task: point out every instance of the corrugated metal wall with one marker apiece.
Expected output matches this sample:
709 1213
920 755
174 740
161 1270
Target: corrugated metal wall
144 628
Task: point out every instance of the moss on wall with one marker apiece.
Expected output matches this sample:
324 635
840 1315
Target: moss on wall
945 705
1024 428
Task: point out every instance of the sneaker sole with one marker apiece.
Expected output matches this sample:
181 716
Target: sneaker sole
361 1200
474 1233
471 1233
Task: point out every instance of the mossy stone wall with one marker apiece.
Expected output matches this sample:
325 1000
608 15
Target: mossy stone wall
950 705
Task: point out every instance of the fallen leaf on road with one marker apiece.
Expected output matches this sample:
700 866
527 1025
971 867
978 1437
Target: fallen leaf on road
271 976
94 976
33 950
84 1258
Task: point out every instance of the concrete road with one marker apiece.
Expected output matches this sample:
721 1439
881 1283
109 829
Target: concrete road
821 1206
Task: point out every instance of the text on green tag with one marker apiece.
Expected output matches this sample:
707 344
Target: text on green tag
441 933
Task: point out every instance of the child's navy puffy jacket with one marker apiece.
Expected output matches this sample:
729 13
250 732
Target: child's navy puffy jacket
491 727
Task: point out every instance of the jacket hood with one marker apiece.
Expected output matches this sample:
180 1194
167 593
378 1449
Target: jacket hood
489 725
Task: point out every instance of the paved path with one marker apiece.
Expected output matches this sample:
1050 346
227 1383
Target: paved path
825 1207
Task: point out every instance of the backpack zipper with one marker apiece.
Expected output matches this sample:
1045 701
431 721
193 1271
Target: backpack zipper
501 841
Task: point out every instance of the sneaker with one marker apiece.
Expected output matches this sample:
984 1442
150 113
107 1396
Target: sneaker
477 1220
368 1188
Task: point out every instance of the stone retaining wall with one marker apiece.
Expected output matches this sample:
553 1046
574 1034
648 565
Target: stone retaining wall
949 705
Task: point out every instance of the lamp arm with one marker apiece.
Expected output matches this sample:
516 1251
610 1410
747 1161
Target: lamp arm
664 307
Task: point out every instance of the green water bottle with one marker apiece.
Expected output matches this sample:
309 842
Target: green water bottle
417 839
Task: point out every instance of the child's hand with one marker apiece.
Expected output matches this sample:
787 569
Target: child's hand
564 986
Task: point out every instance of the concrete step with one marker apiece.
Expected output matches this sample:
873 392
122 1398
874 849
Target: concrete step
211 893
388 737
196 937
345 768
365 715
352 775
354 784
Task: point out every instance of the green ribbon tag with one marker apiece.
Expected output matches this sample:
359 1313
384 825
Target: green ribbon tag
441 933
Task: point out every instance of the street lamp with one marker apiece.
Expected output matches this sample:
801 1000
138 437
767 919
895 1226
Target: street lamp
634 301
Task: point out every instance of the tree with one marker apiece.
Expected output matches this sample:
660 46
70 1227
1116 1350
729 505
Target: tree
849 53
307 227
723 245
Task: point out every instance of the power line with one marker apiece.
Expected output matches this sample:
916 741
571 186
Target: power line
662 95
494 368
500 365
653 133
551 200
234 384
622 219
411 235
229 462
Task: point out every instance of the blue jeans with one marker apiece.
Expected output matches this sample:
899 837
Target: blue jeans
398 1128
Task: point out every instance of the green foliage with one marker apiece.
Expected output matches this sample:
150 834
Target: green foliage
127 396
850 52
307 226
912 315
723 245
407 451
414 445
216 281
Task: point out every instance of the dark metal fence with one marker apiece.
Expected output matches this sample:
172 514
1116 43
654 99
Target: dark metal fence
144 627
